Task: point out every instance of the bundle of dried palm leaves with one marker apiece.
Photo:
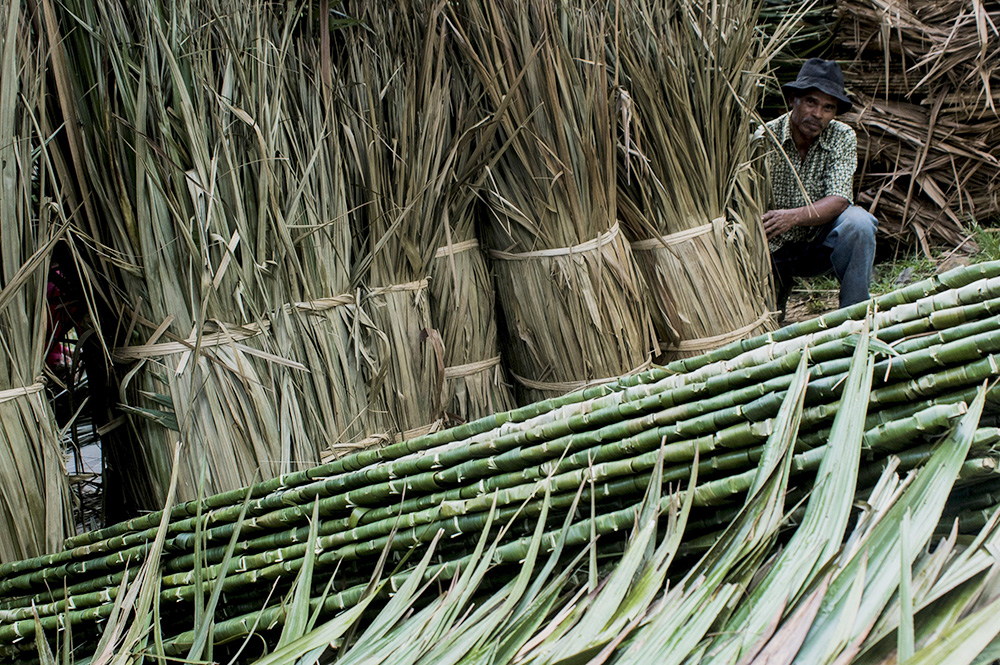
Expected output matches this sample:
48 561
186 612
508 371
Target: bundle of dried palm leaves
463 303
689 196
34 496
928 74
399 135
567 283
208 144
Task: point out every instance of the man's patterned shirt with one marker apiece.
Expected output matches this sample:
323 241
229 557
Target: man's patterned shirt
828 169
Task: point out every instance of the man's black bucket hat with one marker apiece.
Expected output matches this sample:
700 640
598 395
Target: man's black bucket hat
822 75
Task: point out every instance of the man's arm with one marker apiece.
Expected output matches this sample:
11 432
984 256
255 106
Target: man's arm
820 212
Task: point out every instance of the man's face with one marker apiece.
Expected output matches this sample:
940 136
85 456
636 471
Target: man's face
812 111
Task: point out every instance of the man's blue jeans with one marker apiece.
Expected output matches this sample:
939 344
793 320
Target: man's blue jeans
846 246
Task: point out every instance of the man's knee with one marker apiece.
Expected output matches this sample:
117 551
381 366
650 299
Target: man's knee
855 227
856 224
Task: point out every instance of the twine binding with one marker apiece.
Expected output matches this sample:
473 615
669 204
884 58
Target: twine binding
418 285
564 387
589 246
457 248
459 371
227 334
676 238
11 394
709 343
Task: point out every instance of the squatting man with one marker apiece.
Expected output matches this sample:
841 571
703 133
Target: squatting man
814 227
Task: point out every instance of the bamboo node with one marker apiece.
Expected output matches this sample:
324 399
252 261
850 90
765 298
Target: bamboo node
709 343
456 248
14 393
589 246
676 238
468 369
564 387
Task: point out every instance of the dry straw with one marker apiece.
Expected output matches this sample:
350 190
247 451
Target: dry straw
34 500
226 226
568 287
690 198
463 304
399 134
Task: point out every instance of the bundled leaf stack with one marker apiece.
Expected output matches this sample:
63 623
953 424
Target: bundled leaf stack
34 500
570 293
463 305
224 225
570 468
398 131
690 194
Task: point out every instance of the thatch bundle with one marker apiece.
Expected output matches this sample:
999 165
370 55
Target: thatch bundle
690 74
463 307
927 78
34 497
571 296
399 135
194 147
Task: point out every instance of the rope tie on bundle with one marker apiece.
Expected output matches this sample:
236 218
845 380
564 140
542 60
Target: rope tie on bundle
457 248
676 238
564 387
11 394
228 334
418 285
588 246
324 304
709 343
469 369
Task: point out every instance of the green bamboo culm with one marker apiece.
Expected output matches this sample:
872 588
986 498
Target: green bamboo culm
937 346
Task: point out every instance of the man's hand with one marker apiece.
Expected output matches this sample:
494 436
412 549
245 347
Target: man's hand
824 210
777 222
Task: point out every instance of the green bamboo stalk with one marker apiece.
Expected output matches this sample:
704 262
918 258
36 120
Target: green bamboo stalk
613 415
698 425
924 289
329 468
569 482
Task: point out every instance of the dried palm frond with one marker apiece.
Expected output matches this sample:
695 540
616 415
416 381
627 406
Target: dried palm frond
690 75
571 295
463 304
34 499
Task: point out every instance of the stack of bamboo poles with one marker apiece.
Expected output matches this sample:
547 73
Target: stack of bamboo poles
571 296
933 344
690 198
34 497
226 228
926 74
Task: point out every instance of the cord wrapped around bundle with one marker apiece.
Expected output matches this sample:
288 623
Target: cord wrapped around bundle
712 299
